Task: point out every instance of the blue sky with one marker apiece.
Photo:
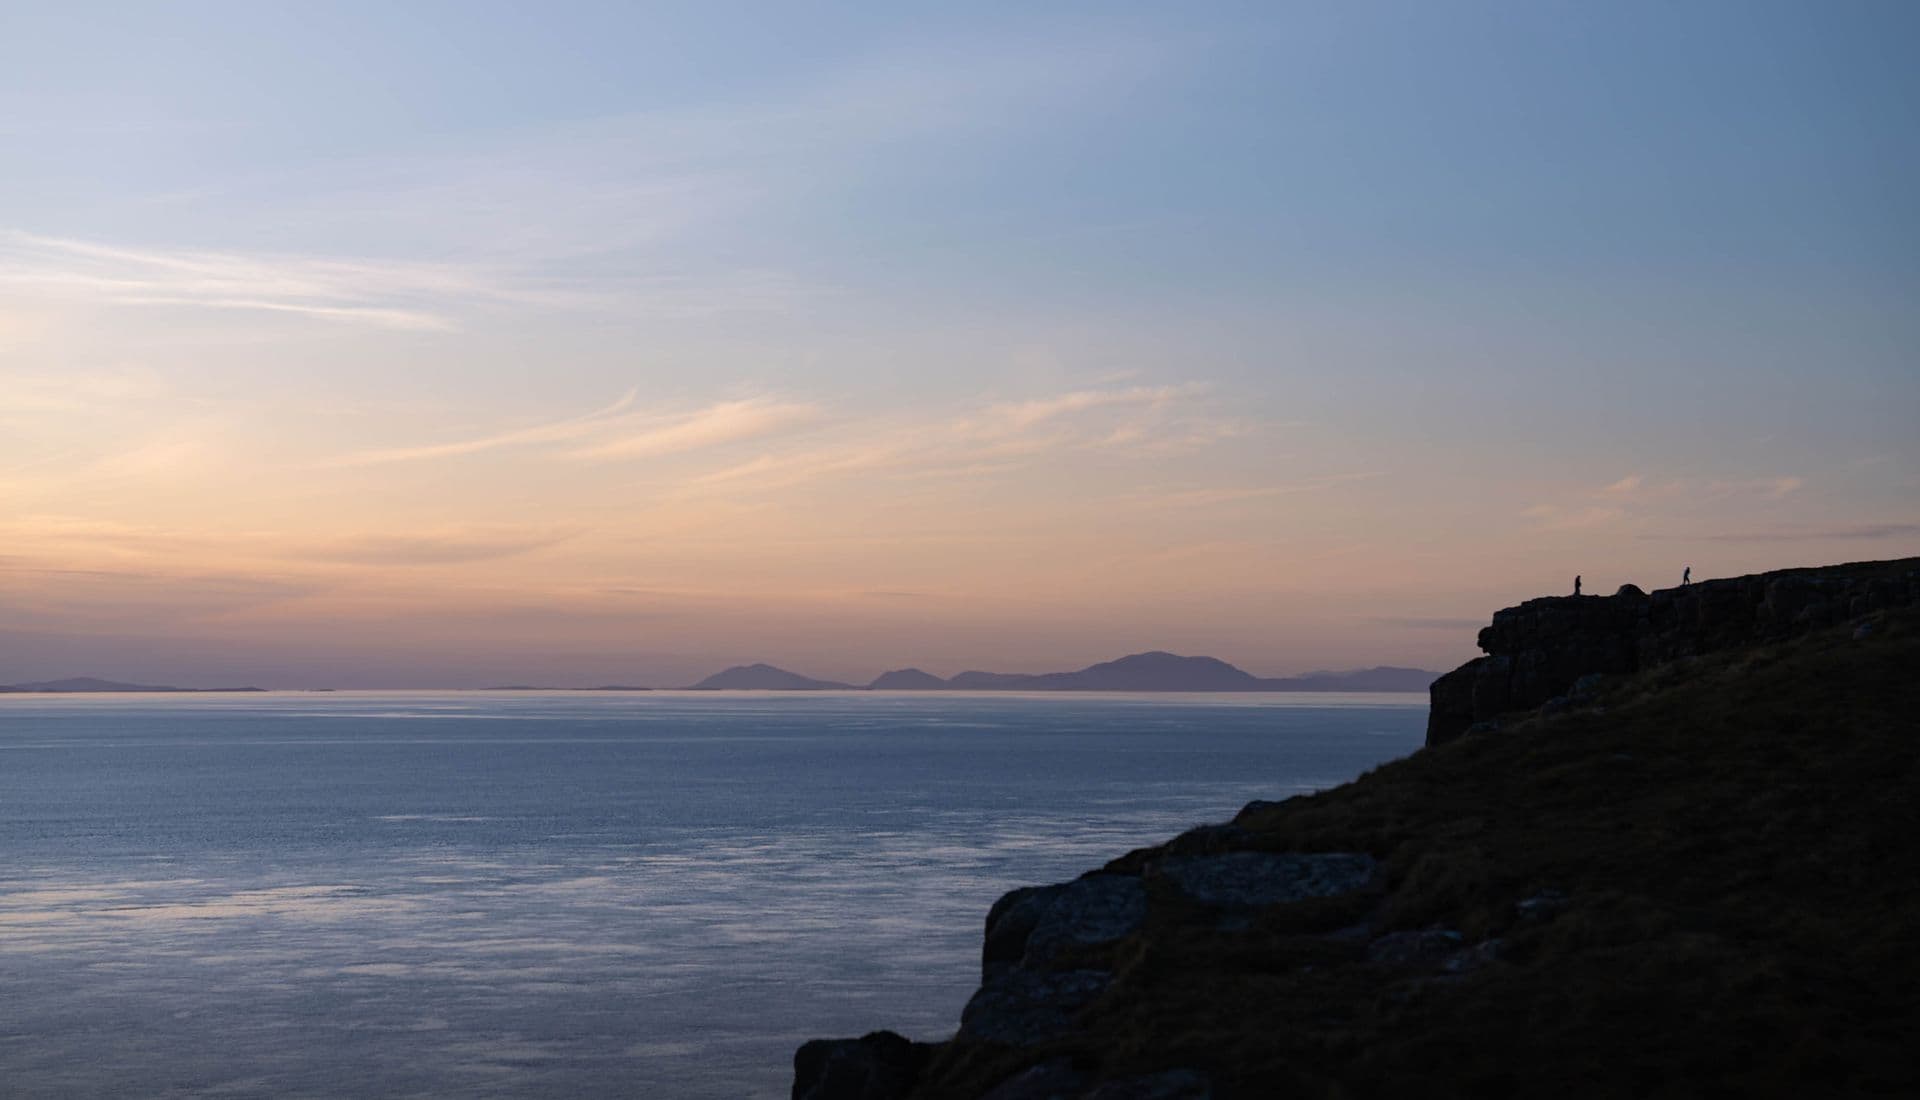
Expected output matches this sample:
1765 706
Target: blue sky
1411 308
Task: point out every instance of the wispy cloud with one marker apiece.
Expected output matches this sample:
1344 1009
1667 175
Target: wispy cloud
378 293
1635 497
998 437
1012 417
617 431
622 213
1634 487
557 431
726 422
386 294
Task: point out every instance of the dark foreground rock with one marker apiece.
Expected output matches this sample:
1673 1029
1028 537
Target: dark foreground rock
1032 925
877 1066
1254 880
1024 1007
1698 879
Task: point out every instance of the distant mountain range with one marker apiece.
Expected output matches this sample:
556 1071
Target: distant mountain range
82 685
909 679
1156 671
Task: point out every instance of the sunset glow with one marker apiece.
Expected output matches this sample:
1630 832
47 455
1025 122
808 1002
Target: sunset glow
381 348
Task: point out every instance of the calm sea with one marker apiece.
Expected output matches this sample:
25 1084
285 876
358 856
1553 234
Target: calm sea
566 894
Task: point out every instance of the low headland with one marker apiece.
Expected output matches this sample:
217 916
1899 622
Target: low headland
90 685
1659 844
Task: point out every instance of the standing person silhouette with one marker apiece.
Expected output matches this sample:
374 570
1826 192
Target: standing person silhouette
1576 584
1686 576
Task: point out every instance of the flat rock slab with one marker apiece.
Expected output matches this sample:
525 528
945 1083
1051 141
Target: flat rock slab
1246 880
1086 912
1022 1007
1030 926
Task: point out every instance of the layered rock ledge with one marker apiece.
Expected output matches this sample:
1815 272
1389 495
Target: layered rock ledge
1543 649
1697 878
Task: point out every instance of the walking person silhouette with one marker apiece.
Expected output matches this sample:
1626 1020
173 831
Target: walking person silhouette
1576 584
1686 576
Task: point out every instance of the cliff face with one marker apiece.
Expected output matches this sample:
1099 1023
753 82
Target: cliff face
1702 883
1541 650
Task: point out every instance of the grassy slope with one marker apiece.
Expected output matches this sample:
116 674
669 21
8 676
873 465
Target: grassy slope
1739 843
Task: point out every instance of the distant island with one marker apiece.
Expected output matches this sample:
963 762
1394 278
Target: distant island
537 687
89 685
761 677
1155 671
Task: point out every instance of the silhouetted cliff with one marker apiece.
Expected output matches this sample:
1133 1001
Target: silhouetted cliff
1540 651
1696 881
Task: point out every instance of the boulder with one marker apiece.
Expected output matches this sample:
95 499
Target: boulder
1032 925
1009 924
877 1066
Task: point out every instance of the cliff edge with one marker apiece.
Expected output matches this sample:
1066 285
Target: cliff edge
1695 878
1541 650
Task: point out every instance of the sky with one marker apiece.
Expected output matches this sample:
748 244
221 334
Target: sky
453 344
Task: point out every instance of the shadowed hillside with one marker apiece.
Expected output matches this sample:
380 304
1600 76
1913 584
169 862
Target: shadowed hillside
1694 879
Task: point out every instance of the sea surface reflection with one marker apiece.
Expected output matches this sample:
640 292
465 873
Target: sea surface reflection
566 894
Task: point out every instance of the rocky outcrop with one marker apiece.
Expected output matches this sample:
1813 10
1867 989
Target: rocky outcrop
1029 988
880 1065
1540 651
1637 903
1050 954
1029 927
